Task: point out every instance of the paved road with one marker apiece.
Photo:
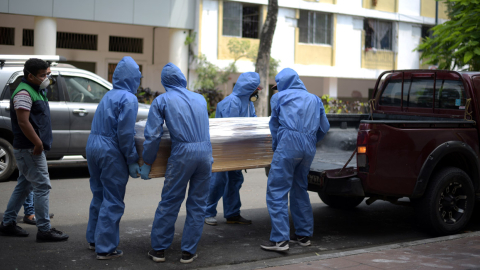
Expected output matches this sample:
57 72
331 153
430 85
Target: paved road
366 226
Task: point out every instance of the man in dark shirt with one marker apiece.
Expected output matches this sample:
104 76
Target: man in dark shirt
32 130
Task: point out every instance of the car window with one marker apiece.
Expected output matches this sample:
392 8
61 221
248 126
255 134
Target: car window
84 90
392 94
52 90
418 93
449 95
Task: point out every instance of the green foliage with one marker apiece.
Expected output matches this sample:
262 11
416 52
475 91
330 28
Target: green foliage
190 38
274 64
455 43
212 97
209 75
241 48
145 95
333 105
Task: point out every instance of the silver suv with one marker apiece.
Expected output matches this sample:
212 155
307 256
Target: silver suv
73 101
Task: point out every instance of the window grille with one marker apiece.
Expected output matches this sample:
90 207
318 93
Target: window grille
77 41
378 34
27 39
240 20
315 27
126 44
7 36
111 70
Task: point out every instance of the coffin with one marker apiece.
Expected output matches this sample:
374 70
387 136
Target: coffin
237 143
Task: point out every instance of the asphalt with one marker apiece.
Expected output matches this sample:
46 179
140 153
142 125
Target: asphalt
221 246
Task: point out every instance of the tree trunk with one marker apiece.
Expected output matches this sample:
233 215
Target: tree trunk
263 59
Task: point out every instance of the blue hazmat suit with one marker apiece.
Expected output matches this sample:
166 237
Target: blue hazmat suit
190 163
228 184
110 148
297 123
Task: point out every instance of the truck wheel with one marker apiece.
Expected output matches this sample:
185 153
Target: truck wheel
340 202
447 205
7 160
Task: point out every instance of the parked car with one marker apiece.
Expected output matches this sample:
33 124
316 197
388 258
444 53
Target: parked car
73 100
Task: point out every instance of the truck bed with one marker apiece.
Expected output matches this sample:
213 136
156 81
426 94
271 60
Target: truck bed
328 159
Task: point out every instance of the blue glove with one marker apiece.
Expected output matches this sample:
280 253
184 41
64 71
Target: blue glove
134 170
145 171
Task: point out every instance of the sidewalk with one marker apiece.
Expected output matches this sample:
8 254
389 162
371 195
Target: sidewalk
460 251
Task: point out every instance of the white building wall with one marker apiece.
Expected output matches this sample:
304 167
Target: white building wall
209 32
408 39
409 7
349 42
284 38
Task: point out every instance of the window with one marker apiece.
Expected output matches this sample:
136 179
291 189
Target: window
27 39
125 44
426 31
418 93
52 90
77 41
84 90
111 70
449 95
378 34
7 36
240 20
392 94
315 27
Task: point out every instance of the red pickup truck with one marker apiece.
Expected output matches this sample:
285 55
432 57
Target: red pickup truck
421 142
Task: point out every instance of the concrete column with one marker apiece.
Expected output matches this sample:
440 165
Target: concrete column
45 36
330 87
178 52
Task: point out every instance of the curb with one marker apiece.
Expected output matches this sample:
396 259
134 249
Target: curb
282 261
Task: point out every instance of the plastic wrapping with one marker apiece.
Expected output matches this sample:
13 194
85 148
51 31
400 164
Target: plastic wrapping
238 143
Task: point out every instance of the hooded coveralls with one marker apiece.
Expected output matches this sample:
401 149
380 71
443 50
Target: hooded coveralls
228 184
190 162
297 123
110 148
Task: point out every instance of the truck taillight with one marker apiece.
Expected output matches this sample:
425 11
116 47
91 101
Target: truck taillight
362 150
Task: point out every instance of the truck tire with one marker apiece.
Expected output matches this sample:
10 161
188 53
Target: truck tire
340 202
447 205
8 163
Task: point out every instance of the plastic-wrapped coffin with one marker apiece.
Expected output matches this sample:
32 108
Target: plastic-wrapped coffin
238 143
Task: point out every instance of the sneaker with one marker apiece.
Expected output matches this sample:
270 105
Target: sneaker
188 257
91 246
33 221
51 235
211 221
12 229
157 256
276 246
303 241
238 220
108 256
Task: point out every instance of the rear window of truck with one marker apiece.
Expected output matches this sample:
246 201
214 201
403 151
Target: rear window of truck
419 93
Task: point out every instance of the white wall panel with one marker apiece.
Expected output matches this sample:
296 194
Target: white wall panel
4 6
348 43
74 9
152 12
182 14
209 38
29 7
408 39
118 11
409 7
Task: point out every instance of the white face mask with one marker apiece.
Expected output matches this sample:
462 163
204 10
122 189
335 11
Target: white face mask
45 84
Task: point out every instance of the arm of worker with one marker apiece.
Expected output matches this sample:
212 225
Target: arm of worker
126 131
324 124
153 131
274 123
253 109
126 134
27 129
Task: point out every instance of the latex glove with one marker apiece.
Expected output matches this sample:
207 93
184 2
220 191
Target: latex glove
145 171
134 170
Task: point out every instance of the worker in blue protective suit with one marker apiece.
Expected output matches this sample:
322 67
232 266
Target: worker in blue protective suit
297 123
228 184
111 157
190 163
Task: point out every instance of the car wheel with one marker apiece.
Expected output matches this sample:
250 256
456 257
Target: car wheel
447 205
340 202
7 160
